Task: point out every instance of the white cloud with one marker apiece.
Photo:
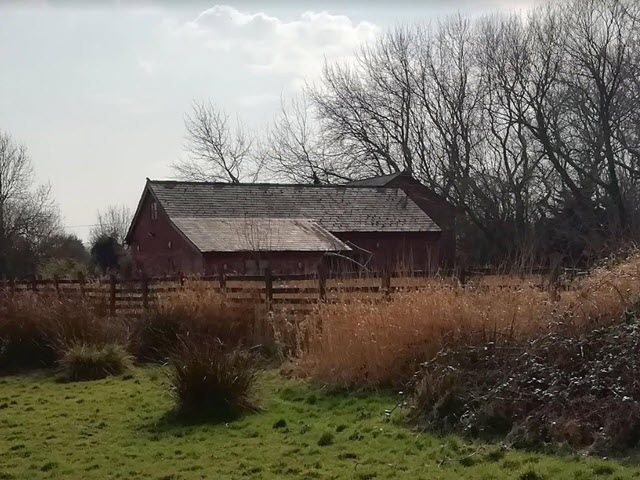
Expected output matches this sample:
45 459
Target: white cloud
272 45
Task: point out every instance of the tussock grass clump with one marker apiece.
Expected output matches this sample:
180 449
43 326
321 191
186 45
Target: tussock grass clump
370 342
93 362
211 381
192 311
36 330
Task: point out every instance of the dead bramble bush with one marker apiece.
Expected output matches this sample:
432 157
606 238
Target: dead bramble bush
577 390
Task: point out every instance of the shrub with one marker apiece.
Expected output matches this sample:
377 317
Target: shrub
25 334
210 380
155 334
36 330
192 311
576 390
92 362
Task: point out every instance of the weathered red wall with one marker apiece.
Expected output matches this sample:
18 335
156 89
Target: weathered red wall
440 211
150 249
397 251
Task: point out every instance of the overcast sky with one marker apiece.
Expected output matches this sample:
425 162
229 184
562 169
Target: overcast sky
98 93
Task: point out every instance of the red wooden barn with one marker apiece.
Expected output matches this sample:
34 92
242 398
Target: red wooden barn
207 228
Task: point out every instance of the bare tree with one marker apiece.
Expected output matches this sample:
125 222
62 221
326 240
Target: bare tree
217 150
576 93
113 222
28 215
514 119
366 107
296 149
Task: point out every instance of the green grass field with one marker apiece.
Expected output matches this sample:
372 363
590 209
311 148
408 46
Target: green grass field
122 427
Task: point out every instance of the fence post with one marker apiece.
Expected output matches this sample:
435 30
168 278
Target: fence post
81 284
34 284
181 279
112 295
386 283
322 281
268 289
223 283
145 292
56 285
462 276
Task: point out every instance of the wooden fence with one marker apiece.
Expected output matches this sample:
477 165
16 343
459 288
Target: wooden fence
295 292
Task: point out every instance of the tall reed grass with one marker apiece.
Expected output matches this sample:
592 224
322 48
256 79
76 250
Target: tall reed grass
35 331
369 342
195 311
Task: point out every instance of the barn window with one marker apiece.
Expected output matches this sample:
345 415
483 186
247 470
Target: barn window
154 210
169 244
137 247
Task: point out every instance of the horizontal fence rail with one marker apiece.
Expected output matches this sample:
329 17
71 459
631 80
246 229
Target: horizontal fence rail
296 292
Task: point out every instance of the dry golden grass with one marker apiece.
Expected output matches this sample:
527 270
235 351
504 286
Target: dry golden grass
369 342
195 310
36 330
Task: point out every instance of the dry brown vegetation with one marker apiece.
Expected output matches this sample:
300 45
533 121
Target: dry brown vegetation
212 380
36 331
194 310
368 343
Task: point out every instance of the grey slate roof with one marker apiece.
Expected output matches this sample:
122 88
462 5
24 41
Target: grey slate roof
379 181
258 234
335 208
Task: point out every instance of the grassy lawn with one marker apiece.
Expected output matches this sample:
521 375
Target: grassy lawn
122 428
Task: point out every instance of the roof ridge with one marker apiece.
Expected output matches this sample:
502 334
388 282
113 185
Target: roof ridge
266 184
386 178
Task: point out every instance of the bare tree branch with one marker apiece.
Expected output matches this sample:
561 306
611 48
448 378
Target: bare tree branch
217 150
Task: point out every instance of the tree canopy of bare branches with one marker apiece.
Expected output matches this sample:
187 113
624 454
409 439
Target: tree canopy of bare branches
528 123
296 149
217 150
28 214
112 222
